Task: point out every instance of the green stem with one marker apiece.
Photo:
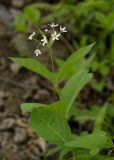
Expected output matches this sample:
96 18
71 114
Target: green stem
55 83
74 155
52 65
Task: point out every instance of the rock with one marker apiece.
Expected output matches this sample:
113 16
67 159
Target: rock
42 144
1 106
17 3
3 64
5 16
15 68
5 20
20 43
15 12
7 124
42 95
20 135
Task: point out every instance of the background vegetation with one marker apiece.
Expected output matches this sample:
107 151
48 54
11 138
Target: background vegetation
87 21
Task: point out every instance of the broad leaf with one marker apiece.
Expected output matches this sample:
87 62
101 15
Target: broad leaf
64 153
25 107
59 61
110 158
96 140
84 157
100 118
87 156
58 107
73 87
87 114
72 60
34 66
83 63
50 125
52 151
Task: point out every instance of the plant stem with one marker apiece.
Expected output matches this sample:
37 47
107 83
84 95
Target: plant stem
55 83
52 65
74 155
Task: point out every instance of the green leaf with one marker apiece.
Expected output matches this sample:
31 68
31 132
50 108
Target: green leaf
59 61
96 140
20 23
73 87
87 114
64 153
87 156
82 154
72 60
25 107
110 158
100 157
83 157
52 151
82 64
58 107
50 125
34 66
32 14
98 85
100 118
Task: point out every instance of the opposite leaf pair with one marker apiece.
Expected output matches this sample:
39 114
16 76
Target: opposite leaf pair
50 121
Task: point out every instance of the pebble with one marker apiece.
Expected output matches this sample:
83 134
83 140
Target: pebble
21 40
43 145
15 12
7 124
17 3
5 20
5 16
20 135
41 94
15 68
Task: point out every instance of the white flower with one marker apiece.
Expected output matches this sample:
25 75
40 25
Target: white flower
63 29
53 25
46 30
31 36
55 36
44 40
37 52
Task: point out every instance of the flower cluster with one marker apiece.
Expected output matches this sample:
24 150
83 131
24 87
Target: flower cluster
54 35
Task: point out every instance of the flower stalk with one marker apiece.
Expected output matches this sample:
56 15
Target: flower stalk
48 42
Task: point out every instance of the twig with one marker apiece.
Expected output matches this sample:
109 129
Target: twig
12 82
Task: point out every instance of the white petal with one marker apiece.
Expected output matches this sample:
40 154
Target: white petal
31 36
53 25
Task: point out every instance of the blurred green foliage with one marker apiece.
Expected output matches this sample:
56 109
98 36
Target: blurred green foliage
87 21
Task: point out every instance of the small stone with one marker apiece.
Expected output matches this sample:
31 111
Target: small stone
20 135
21 40
15 68
5 17
2 94
41 94
7 124
17 3
43 145
14 12
5 20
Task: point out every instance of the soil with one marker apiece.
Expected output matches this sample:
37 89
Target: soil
18 85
